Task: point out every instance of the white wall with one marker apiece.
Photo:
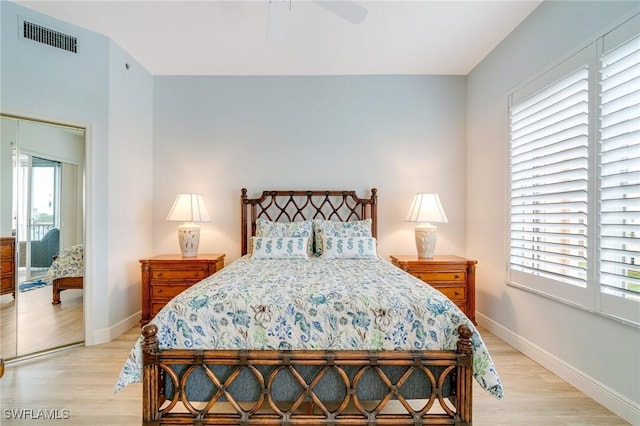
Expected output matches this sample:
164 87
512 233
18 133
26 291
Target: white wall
87 89
130 191
401 134
598 355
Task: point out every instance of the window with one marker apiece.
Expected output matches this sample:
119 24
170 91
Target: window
620 171
575 178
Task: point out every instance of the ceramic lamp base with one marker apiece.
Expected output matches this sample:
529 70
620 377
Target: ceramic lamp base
426 236
189 239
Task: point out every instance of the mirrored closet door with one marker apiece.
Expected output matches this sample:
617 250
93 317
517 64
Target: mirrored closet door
42 234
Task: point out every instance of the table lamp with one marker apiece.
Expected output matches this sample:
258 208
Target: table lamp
424 209
188 208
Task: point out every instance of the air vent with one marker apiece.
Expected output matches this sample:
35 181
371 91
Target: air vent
49 37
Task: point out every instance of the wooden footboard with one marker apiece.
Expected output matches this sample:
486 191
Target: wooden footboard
439 369
67 283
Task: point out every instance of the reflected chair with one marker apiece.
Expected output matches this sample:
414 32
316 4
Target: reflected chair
44 250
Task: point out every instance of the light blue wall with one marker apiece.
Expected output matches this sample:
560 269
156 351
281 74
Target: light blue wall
401 134
598 355
130 183
84 89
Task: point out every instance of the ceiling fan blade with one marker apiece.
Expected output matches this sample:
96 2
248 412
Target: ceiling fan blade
349 10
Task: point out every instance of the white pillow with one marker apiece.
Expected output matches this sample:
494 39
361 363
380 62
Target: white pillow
349 248
334 228
279 248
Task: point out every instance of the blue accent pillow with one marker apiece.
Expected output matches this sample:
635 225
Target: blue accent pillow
267 228
280 248
349 248
334 228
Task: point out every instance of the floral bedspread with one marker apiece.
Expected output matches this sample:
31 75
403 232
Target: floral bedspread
68 263
315 303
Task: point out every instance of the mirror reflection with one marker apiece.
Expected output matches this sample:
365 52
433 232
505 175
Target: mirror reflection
41 225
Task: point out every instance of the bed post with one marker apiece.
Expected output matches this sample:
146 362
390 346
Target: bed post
150 376
464 373
374 212
243 221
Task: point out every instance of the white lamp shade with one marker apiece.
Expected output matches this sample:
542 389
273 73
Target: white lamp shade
426 208
188 208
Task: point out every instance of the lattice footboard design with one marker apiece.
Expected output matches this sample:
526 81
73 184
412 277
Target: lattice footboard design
229 387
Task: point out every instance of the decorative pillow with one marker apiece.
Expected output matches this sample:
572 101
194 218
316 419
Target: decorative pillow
349 247
280 248
267 228
334 228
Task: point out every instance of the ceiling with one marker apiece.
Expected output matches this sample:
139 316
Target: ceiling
234 37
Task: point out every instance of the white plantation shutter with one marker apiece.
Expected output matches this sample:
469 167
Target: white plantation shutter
549 181
619 216
574 181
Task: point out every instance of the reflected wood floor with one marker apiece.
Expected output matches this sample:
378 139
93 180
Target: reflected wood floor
81 380
41 325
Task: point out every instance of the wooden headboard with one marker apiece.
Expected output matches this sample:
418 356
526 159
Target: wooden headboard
292 206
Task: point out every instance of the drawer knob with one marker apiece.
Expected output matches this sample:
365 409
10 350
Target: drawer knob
457 277
457 293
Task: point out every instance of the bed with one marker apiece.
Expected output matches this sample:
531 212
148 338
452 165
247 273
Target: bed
309 327
66 272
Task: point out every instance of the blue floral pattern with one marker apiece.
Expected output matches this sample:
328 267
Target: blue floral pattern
68 263
315 303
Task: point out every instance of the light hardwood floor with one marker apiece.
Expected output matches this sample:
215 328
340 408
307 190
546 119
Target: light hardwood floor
81 380
41 325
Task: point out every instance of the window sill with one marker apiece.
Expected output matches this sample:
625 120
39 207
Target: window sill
574 305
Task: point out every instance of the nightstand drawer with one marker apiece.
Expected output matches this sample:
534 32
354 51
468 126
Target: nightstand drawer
7 266
178 274
6 252
6 283
166 276
461 304
453 293
155 307
167 291
453 276
439 276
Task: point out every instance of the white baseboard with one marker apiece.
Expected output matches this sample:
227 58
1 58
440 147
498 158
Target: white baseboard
612 400
108 334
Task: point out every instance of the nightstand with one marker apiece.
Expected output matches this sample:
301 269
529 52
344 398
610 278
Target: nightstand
168 275
7 265
454 276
